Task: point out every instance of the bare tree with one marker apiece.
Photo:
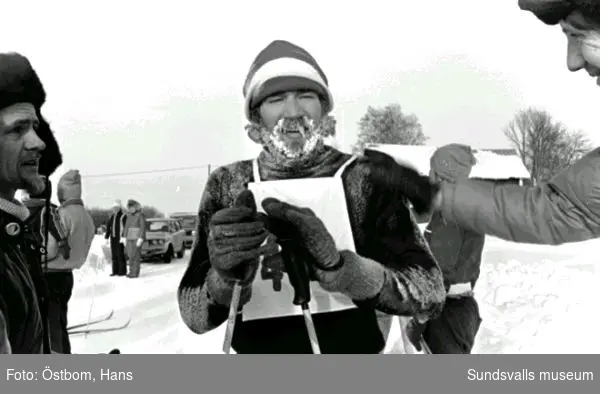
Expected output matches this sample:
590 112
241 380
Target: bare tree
544 145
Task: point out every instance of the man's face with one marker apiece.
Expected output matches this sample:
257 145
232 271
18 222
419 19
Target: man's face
131 209
20 150
291 123
583 48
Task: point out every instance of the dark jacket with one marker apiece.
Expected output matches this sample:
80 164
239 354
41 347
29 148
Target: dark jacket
115 225
457 250
21 304
385 236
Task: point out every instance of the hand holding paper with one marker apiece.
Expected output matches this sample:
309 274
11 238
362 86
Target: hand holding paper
310 230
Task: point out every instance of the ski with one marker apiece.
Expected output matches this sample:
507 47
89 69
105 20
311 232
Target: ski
97 320
95 330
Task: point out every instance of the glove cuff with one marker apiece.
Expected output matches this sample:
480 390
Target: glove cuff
221 289
358 277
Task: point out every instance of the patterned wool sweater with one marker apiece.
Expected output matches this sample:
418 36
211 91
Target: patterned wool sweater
388 244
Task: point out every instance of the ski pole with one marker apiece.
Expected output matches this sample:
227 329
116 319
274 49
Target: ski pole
233 311
297 271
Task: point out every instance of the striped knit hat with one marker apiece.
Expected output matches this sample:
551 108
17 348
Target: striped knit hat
280 67
553 11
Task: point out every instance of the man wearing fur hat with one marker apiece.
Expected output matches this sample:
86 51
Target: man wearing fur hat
566 208
28 152
362 246
114 234
458 251
135 234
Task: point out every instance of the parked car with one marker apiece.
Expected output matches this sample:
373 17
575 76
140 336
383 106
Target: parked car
189 221
164 240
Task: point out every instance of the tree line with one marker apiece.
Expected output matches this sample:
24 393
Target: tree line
544 144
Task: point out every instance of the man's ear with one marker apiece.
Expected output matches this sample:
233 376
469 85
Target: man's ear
253 131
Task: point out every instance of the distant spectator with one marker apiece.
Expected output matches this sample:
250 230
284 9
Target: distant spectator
79 227
135 234
114 233
458 252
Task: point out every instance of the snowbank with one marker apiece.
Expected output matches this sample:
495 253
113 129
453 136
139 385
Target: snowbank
532 298
98 264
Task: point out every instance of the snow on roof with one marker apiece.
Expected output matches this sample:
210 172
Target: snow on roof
489 165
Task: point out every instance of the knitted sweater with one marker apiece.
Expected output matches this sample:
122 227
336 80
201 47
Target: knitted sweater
388 243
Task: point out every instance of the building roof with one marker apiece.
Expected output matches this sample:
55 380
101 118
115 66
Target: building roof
490 165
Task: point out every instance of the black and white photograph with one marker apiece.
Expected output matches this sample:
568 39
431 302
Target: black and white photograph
312 177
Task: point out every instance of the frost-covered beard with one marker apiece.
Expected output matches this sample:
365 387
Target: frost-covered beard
293 139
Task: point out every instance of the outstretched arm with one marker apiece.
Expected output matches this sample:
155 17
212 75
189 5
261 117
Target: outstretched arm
566 209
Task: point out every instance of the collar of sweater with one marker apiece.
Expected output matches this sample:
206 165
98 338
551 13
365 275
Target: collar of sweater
322 164
14 208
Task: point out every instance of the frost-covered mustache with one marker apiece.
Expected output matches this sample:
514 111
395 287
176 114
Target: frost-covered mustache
302 125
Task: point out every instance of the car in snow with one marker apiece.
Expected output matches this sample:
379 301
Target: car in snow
189 221
164 240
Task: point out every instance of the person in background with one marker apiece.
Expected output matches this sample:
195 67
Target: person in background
566 208
29 154
458 251
79 227
58 242
114 233
135 235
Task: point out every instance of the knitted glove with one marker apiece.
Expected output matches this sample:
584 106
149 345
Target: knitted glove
386 172
309 230
235 240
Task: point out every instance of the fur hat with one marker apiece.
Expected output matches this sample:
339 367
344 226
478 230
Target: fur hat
19 83
280 67
551 12
132 203
452 162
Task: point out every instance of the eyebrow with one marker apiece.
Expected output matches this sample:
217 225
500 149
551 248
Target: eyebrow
21 122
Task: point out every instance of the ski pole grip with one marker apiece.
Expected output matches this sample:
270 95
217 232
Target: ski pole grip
297 272
293 260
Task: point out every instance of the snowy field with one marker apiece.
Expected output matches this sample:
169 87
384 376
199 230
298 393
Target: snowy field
533 299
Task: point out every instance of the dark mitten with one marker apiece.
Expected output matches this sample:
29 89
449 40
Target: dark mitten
386 172
309 231
235 240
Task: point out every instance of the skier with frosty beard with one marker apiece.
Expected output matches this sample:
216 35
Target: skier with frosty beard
366 252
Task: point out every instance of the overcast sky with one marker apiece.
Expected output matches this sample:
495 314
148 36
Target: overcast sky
136 86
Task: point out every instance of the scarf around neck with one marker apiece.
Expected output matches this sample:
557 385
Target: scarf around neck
323 164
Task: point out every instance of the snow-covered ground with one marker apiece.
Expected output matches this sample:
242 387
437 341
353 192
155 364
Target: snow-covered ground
533 299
